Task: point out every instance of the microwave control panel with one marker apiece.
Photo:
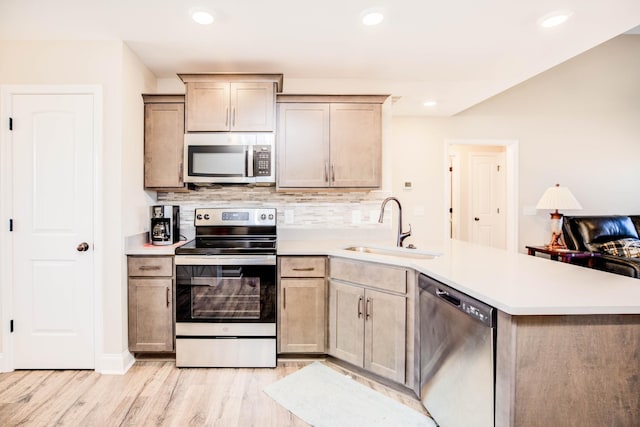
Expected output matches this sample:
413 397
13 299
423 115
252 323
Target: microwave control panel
262 161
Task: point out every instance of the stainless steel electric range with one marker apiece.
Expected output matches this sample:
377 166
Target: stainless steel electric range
226 290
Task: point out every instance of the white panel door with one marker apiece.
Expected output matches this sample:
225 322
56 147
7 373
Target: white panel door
488 225
52 142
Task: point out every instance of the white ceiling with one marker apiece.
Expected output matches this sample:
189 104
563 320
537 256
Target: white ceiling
458 52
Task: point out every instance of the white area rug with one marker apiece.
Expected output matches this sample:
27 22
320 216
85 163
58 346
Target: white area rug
323 397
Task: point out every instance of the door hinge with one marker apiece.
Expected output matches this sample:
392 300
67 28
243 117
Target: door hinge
498 168
11 325
450 210
497 210
10 224
10 123
450 168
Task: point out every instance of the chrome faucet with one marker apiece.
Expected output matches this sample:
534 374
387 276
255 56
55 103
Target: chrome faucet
401 235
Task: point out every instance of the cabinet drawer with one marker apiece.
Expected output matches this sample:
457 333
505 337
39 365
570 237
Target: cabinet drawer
150 266
385 277
302 266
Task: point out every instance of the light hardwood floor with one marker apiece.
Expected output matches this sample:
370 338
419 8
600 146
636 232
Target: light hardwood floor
154 393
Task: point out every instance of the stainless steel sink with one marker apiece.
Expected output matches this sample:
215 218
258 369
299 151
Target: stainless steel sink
394 251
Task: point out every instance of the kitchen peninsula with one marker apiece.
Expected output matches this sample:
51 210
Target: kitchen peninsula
568 337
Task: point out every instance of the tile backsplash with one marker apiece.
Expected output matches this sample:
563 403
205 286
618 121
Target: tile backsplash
296 210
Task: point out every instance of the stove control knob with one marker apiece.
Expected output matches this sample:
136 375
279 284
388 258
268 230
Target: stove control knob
206 216
199 216
263 217
270 216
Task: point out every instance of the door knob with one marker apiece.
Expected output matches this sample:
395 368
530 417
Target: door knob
476 219
83 247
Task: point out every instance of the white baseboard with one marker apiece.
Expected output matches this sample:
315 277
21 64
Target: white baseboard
115 364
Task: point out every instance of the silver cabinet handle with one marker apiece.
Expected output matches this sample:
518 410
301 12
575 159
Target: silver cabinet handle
326 172
303 269
168 297
367 309
149 267
333 173
226 117
233 120
359 307
284 298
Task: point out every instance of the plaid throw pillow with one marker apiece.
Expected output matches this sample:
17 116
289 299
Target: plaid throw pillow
623 247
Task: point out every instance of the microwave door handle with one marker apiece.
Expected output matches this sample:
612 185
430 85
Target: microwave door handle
250 161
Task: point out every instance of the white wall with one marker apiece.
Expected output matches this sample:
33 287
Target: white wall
135 202
111 65
577 124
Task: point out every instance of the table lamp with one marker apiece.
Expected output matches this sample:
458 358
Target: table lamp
557 197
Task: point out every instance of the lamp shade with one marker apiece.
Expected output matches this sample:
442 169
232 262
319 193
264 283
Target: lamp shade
557 197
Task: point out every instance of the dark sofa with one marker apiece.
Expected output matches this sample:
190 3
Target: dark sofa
606 234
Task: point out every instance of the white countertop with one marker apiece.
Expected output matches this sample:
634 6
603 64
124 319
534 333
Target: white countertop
138 245
515 283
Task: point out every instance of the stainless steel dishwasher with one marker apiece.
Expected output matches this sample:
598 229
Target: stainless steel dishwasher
457 363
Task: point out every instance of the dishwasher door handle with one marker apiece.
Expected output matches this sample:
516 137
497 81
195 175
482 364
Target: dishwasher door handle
448 297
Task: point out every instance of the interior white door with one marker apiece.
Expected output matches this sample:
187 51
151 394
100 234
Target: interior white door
53 184
488 185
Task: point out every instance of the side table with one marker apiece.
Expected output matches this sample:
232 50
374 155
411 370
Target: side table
564 255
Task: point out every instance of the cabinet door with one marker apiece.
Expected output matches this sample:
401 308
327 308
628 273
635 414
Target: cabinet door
302 315
208 106
385 334
356 145
163 142
346 322
150 314
303 145
252 106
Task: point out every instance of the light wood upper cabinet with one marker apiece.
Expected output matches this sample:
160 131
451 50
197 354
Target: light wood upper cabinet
208 106
231 102
303 145
329 141
163 141
356 145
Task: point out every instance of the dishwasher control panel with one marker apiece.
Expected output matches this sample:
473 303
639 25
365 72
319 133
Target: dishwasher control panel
474 311
460 301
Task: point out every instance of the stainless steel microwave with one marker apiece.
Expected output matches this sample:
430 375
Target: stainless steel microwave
242 158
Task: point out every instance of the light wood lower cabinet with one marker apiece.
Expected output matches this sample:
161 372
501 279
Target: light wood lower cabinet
150 305
302 305
368 317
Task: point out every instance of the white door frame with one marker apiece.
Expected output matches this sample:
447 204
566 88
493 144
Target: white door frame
6 209
511 146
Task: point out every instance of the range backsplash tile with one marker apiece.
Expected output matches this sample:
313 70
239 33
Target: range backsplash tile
304 209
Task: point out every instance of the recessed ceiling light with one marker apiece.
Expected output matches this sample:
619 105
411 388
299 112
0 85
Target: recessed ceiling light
372 17
554 19
430 103
202 17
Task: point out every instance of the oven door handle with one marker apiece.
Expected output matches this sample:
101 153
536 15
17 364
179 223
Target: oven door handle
225 260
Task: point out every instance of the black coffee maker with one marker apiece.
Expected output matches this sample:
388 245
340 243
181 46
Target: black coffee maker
165 224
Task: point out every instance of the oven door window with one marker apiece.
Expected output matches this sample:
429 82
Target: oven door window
225 293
